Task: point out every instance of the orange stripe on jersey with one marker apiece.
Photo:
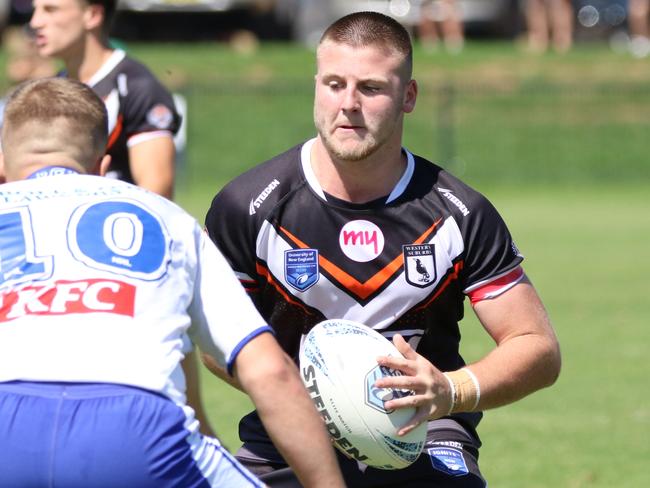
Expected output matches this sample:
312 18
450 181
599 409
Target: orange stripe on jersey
453 276
370 286
116 132
264 271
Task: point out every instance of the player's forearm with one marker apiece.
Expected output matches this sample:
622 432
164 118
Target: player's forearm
294 424
513 370
193 392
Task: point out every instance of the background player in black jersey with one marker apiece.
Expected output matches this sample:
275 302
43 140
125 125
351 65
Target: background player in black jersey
142 117
384 237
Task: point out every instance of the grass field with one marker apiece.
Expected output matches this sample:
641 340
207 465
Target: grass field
560 145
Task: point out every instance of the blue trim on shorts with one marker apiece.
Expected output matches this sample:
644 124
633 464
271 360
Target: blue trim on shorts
79 435
243 342
239 467
74 389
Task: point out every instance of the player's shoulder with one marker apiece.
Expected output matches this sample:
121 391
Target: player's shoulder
135 69
113 189
261 186
126 75
135 79
447 189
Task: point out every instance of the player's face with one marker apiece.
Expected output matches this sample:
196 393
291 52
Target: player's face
59 26
360 99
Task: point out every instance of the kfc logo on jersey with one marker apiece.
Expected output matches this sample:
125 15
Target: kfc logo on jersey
419 264
66 297
361 241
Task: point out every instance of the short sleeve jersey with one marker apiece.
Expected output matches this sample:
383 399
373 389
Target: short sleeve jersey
103 281
403 263
139 107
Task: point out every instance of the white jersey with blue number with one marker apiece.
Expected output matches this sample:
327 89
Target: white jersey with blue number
102 281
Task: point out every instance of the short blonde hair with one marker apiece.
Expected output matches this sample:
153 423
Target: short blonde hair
361 29
62 116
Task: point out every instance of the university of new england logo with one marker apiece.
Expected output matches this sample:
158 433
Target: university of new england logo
301 268
419 264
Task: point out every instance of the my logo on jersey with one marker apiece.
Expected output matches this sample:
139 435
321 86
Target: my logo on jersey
301 268
361 240
66 297
257 202
160 116
419 264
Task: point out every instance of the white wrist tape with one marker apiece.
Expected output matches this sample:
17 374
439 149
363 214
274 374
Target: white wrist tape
453 393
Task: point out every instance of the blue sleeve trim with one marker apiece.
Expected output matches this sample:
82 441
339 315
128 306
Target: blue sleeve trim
242 343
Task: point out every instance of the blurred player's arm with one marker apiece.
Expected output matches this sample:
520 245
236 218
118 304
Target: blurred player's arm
152 164
214 367
193 392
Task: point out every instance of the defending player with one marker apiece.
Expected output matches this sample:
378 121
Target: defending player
141 113
352 225
101 285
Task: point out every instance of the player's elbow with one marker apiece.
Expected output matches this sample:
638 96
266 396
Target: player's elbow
551 359
263 368
278 372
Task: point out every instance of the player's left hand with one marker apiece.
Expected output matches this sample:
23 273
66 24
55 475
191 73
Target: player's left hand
432 394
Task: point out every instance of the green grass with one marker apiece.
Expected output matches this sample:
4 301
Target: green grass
559 144
588 255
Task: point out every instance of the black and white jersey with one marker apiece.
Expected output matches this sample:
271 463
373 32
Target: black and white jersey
401 264
139 108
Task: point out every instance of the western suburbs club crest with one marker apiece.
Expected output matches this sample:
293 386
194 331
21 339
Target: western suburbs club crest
419 264
301 268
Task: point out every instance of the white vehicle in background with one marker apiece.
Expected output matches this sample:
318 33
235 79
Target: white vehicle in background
182 5
311 17
5 12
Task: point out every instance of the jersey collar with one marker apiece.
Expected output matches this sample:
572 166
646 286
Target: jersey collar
115 58
305 159
52 171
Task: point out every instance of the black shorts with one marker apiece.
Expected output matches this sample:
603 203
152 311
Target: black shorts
449 460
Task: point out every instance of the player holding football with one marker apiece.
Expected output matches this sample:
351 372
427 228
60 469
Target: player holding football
352 225
101 285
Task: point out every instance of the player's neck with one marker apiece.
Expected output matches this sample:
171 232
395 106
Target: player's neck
358 181
83 65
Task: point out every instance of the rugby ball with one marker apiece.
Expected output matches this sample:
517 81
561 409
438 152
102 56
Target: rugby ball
338 365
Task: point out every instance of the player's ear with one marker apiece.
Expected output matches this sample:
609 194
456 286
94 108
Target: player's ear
2 168
94 16
102 165
410 95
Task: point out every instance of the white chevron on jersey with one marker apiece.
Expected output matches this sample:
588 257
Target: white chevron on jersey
378 313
